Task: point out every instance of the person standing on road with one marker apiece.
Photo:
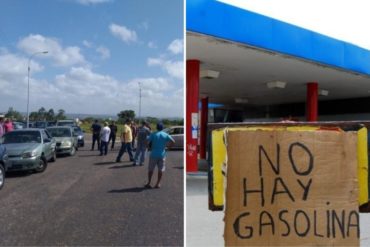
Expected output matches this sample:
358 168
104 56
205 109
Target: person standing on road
113 131
104 136
2 130
8 125
126 142
134 133
159 140
95 129
142 135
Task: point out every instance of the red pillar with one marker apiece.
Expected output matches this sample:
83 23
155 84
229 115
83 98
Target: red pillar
203 128
312 101
192 99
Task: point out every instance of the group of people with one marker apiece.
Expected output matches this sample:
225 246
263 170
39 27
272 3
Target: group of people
6 125
128 135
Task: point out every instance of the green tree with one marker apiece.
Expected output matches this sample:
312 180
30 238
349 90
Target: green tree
60 115
13 114
50 115
126 114
34 116
41 114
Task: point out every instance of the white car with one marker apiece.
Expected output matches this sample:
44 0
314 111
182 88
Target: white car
68 122
177 133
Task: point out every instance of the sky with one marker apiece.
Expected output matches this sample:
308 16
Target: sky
98 52
341 19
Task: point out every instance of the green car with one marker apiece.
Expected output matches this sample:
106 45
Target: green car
66 139
29 149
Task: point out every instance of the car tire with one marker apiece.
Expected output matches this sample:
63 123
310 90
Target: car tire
73 151
2 176
42 165
54 157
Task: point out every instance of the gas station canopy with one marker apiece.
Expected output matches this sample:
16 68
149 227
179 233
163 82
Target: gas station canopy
252 53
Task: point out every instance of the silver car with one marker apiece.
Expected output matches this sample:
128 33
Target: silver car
177 133
29 149
4 163
66 139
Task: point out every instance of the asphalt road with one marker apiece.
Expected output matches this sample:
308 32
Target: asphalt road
91 200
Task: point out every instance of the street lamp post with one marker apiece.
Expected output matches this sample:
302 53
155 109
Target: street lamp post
28 86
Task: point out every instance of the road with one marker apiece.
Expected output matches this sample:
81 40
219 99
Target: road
91 200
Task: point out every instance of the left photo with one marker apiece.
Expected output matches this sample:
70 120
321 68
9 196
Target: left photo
91 122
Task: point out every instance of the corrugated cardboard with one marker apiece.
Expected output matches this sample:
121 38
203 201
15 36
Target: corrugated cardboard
310 188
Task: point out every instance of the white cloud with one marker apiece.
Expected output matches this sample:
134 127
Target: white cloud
81 90
176 46
155 61
61 56
152 45
173 68
103 51
14 65
87 44
144 25
123 33
92 2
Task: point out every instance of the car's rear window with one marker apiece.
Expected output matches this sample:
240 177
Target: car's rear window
66 123
22 137
59 132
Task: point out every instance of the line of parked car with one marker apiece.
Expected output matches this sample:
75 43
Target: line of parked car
30 149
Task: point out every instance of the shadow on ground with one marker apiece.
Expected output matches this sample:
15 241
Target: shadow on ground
130 190
178 167
16 174
122 166
105 163
88 155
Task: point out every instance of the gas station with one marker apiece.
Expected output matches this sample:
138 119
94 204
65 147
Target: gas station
243 67
261 69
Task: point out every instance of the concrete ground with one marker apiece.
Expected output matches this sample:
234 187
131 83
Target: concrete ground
91 200
205 228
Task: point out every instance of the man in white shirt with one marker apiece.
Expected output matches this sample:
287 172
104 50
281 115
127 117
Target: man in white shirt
104 138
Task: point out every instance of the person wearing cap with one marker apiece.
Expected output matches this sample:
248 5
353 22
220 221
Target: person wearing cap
104 137
142 134
159 140
126 141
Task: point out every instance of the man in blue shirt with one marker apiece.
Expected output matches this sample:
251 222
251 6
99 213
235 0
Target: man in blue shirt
159 139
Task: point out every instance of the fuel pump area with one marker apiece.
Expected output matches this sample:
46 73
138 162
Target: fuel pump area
245 67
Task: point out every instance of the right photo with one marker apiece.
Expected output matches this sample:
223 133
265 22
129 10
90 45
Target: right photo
277 123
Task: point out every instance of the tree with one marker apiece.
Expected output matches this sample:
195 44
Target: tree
34 116
60 115
126 114
13 114
41 114
50 115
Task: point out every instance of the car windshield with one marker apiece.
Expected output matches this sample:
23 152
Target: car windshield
66 123
77 129
59 132
22 137
40 125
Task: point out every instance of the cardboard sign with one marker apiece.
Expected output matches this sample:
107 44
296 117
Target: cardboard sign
288 188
